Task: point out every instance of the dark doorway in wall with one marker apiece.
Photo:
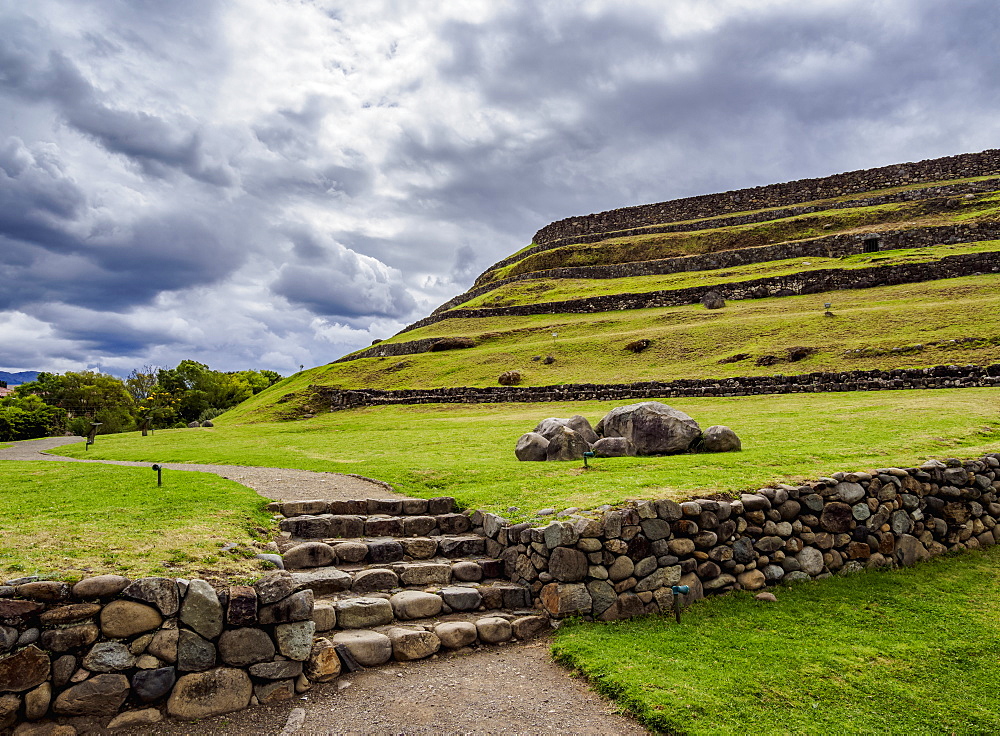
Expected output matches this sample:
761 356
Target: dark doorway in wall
871 245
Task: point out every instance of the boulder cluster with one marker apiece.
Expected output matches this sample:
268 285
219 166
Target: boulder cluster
646 428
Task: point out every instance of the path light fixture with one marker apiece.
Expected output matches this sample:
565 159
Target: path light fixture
828 313
586 455
92 434
678 591
159 475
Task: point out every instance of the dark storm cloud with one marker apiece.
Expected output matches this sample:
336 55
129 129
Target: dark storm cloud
319 173
802 89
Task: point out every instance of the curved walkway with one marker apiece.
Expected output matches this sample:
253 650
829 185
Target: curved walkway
279 484
510 690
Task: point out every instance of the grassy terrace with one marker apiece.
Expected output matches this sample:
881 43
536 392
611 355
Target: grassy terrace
71 520
913 651
819 204
550 290
886 327
468 450
651 246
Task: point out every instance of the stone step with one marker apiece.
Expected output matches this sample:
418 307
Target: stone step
366 507
364 579
297 554
419 638
352 610
347 526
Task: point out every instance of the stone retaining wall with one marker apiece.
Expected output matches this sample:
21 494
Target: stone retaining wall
965 165
155 645
805 282
624 563
942 376
952 190
833 246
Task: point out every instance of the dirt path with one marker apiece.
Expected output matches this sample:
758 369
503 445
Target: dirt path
279 484
513 690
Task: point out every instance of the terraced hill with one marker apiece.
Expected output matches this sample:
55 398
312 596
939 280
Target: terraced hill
907 257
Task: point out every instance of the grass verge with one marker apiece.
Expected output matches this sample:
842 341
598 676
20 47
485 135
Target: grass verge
468 450
895 652
69 520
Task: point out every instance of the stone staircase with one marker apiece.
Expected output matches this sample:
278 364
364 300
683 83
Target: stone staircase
401 579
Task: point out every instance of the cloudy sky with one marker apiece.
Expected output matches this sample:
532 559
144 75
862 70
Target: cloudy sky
273 183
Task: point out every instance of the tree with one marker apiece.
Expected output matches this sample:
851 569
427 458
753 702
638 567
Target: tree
201 393
140 384
28 417
87 397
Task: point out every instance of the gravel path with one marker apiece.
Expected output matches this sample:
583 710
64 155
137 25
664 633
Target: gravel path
513 690
278 484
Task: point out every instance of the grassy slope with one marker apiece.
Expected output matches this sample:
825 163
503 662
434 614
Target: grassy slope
844 655
467 450
883 324
90 519
550 290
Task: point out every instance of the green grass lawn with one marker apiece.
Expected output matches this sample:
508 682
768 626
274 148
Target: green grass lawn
70 520
914 651
468 450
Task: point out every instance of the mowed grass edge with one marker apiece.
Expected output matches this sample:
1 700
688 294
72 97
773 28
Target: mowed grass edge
70 520
912 651
468 450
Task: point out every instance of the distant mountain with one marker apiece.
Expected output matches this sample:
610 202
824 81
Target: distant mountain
15 379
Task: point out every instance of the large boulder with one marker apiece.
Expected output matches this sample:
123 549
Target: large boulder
713 300
613 447
208 694
720 438
531 447
652 427
566 445
550 427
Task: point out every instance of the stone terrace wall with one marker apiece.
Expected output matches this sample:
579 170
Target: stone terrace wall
805 282
833 246
108 644
951 190
965 165
623 564
950 376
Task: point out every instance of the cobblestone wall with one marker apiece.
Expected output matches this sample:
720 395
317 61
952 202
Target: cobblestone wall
155 645
624 562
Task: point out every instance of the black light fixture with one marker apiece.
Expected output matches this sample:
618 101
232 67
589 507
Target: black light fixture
92 434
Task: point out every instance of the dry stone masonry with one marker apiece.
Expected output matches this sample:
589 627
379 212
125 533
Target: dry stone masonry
624 562
942 376
965 165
